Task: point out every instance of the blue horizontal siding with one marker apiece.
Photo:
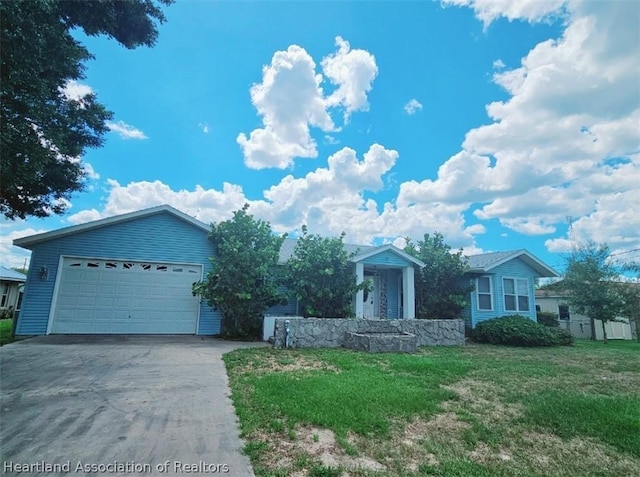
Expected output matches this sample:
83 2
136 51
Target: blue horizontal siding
156 238
386 258
515 268
288 309
466 311
392 294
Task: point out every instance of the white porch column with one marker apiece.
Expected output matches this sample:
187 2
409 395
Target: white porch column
360 294
409 293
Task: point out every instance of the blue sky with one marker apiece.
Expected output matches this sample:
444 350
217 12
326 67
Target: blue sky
490 122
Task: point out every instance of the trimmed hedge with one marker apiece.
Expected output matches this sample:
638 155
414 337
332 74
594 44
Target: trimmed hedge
516 330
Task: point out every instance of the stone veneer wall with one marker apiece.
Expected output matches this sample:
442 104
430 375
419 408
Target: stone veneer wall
331 332
382 303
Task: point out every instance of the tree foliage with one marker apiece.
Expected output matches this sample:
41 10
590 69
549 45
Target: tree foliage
439 288
630 293
591 284
43 130
242 282
320 276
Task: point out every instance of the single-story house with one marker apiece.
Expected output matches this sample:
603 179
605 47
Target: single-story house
552 300
503 284
11 285
133 274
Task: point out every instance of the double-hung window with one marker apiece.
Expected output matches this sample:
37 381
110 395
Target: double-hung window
516 294
484 293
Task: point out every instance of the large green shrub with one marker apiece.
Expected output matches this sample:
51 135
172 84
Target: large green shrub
516 330
562 337
242 282
321 277
439 285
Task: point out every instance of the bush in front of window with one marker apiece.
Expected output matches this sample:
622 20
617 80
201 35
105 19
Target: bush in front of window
516 330
548 318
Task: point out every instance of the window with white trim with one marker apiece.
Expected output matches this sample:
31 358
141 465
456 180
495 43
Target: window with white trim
5 295
516 294
484 293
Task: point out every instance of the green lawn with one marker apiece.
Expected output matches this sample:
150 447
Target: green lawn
474 411
5 331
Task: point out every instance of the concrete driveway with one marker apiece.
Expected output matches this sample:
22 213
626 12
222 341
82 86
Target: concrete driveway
118 405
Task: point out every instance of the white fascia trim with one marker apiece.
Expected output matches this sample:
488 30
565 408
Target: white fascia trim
543 269
384 248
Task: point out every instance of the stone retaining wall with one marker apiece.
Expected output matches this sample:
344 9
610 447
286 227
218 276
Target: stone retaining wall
332 332
381 342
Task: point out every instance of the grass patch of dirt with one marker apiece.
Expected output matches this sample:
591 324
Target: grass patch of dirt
483 400
287 364
473 411
310 447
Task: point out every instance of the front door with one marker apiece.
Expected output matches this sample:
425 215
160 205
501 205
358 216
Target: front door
370 308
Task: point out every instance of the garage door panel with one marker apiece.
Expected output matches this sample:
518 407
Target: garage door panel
68 300
122 303
85 301
88 288
110 296
108 290
105 301
124 290
143 291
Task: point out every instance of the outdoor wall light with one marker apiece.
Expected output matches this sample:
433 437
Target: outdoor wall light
44 273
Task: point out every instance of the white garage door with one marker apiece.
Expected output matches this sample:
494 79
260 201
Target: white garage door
124 297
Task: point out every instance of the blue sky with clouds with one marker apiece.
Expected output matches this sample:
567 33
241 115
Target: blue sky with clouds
490 122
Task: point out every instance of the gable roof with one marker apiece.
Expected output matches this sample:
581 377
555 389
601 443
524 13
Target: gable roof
487 261
362 251
288 248
383 248
8 275
558 289
29 242
546 293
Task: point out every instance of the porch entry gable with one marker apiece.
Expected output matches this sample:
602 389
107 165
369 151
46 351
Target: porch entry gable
392 294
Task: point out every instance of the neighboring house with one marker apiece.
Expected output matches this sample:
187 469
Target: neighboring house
553 301
503 284
11 285
133 274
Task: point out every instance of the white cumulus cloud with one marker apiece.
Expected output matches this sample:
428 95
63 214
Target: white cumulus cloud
329 200
565 142
126 131
412 107
290 100
13 256
90 171
531 10
75 91
353 71
498 64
